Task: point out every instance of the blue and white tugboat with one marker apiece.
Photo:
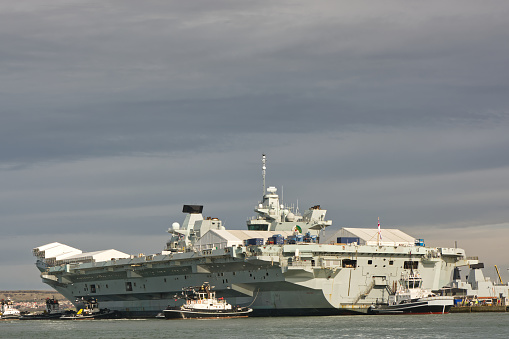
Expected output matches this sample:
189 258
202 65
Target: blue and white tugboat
411 298
202 303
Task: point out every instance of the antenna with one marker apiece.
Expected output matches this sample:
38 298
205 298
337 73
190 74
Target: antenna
264 159
379 233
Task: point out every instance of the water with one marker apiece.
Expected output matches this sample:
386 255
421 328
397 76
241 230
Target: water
473 325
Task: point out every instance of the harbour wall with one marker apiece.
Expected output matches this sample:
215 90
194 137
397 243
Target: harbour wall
476 309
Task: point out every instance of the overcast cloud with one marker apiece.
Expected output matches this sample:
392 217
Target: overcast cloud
115 113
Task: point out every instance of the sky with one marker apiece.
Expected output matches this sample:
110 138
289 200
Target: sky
116 113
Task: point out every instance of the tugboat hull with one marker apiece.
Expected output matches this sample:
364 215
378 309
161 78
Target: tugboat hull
107 314
433 306
178 313
41 316
9 317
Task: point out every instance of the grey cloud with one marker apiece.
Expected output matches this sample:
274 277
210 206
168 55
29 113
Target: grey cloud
115 113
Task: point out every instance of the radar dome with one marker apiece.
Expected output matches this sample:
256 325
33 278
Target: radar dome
272 189
175 226
290 217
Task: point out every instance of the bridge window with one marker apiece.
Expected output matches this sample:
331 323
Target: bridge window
411 265
260 227
349 263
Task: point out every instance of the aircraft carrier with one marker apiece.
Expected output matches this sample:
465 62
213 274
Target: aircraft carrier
281 265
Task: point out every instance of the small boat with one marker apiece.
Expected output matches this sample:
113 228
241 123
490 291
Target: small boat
411 298
8 311
90 310
202 303
52 311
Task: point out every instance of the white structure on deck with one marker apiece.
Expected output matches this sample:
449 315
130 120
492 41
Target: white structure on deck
58 254
96 256
370 236
53 250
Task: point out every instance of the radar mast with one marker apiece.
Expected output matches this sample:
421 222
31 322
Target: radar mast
264 159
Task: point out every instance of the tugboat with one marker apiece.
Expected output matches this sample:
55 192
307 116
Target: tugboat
202 303
8 311
52 311
90 310
411 298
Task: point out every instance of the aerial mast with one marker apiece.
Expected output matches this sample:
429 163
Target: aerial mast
264 159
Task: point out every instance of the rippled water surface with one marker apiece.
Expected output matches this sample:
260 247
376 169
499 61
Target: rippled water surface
480 325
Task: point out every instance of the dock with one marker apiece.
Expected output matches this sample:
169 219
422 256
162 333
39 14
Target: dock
478 309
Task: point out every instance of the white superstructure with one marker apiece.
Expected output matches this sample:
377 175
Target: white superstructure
476 285
7 310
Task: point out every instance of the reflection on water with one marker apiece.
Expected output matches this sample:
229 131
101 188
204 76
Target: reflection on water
473 325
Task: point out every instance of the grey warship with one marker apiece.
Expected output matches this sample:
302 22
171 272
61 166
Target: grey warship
281 265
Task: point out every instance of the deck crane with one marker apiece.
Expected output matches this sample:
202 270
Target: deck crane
499 277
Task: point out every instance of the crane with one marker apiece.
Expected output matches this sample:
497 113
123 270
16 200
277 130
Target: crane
499 277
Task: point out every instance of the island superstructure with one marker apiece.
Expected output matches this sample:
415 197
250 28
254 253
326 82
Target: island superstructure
281 265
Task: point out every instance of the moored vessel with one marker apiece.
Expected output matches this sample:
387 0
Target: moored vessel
88 310
52 311
411 298
8 311
202 303
283 264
